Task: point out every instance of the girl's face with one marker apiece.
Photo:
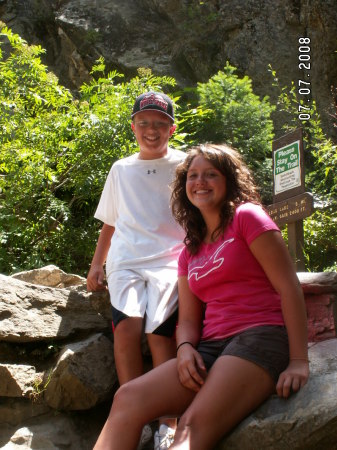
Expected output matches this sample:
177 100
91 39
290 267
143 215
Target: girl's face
205 185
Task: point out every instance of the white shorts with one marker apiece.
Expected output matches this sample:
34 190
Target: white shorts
148 293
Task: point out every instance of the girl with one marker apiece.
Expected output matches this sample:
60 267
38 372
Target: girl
242 322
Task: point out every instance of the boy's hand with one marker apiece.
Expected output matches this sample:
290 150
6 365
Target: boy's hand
95 279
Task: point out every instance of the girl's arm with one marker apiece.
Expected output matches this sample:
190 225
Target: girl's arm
271 252
190 364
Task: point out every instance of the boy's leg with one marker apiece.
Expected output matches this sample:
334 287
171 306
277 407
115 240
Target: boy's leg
128 349
162 341
127 290
162 310
162 349
128 297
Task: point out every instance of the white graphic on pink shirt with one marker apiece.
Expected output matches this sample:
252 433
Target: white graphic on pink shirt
213 261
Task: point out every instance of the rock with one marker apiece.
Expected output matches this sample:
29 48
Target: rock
305 421
320 291
50 276
319 282
54 430
190 41
53 357
18 380
14 412
100 302
57 379
34 313
84 375
49 433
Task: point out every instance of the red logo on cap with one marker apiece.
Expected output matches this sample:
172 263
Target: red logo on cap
154 100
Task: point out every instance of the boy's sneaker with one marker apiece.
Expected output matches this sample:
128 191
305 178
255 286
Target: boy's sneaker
163 439
145 437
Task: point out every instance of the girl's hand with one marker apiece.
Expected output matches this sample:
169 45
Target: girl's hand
191 369
293 378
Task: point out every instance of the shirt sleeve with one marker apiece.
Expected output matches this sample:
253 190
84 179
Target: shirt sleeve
183 263
106 210
253 220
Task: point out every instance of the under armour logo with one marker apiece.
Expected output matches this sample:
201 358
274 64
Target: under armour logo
151 171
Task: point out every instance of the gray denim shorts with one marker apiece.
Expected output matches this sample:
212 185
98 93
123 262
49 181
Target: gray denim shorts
266 345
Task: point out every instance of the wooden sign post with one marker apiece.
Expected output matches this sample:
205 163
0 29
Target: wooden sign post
291 204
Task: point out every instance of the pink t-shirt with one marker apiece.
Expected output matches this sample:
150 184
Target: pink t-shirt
229 280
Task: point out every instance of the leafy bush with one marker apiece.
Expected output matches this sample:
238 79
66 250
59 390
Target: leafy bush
55 154
226 110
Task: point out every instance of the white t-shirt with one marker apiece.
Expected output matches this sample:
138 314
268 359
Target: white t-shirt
136 201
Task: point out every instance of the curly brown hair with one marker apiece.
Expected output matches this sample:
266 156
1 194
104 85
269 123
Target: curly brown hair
240 187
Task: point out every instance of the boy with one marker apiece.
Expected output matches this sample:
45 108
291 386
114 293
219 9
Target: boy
140 242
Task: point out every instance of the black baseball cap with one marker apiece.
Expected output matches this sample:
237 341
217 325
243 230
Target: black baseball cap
153 101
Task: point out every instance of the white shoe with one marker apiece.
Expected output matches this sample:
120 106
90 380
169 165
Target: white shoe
145 437
163 439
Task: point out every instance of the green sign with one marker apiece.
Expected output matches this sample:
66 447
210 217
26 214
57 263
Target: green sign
287 169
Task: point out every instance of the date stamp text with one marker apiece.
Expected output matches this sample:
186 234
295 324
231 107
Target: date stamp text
304 84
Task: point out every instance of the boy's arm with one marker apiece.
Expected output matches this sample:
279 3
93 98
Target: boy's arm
96 273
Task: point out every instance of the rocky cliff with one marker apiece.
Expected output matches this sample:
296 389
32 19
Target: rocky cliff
187 39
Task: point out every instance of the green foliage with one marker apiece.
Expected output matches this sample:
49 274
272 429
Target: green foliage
32 105
320 153
38 387
55 155
56 151
320 231
227 110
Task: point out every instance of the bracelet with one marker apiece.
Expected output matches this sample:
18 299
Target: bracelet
183 343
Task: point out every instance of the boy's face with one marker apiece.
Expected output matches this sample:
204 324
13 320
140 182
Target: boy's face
153 130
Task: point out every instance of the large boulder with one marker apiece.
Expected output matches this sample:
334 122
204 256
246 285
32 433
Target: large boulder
31 312
83 376
305 421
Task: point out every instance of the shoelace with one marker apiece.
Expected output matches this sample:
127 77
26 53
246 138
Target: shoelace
166 440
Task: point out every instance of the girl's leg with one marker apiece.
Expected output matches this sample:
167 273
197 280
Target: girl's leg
140 401
234 388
